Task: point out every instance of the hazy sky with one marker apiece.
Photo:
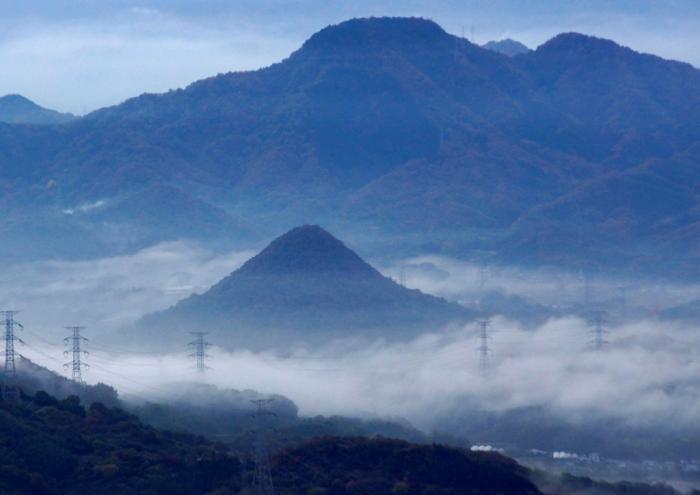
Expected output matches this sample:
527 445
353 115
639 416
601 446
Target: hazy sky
78 55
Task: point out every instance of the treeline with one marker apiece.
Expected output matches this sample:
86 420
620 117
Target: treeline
51 446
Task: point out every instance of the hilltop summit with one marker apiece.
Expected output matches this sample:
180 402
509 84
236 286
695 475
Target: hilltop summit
307 249
306 286
377 32
16 109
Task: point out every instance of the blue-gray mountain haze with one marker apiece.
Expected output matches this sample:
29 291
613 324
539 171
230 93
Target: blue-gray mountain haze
581 153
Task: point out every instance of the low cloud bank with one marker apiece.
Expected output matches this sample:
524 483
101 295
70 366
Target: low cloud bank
107 293
626 297
647 376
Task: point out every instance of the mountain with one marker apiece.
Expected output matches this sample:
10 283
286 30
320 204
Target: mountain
228 416
380 465
16 109
120 224
306 286
391 128
136 220
32 378
507 47
363 466
50 446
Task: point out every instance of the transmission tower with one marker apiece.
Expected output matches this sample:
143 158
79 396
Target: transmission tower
9 388
199 354
597 323
587 290
484 349
622 291
483 276
262 476
74 342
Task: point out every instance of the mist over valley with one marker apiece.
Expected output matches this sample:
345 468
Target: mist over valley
396 261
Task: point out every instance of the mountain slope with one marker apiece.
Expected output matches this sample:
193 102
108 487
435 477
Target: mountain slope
626 107
51 447
304 287
394 125
32 378
16 109
362 466
640 215
137 219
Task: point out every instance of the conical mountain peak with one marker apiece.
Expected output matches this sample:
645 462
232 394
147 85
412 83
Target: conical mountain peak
307 286
17 109
16 99
309 249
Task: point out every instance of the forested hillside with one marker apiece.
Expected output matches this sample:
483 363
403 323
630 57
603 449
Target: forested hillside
580 153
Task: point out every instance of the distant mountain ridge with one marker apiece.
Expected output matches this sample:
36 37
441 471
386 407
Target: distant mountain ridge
507 47
305 287
393 126
16 109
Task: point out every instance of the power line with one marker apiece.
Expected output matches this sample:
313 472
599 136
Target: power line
129 379
121 350
47 356
10 392
126 360
42 339
74 341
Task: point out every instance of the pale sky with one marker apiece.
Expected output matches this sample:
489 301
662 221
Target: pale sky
79 55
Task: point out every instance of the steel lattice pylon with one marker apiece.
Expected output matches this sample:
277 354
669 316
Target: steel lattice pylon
9 387
200 351
75 341
262 476
484 349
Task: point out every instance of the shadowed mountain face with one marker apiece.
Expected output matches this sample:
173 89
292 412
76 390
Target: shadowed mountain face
393 126
392 466
16 109
305 287
52 447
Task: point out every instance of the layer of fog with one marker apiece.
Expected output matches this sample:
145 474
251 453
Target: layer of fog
466 282
108 293
649 374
